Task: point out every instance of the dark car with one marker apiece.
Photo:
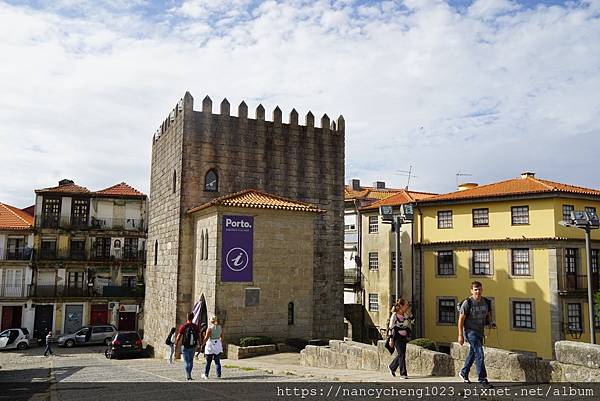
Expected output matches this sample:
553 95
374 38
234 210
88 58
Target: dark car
125 343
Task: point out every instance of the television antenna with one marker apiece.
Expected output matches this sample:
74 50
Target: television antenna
459 174
407 173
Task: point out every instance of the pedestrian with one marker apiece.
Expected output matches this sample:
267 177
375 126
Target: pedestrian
474 313
214 346
170 341
189 338
401 321
48 349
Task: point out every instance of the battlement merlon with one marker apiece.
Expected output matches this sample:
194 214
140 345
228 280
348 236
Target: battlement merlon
187 104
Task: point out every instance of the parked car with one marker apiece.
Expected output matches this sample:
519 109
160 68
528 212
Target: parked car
14 338
100 334
125 343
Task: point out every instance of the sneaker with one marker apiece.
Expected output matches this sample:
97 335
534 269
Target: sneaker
485 383
403 377
464 378
204 376
392 372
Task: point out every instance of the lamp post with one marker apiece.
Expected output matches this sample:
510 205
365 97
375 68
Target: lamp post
388 217
587 221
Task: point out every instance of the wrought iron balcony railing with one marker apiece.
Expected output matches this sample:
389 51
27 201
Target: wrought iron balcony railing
14 290
577 282
22 253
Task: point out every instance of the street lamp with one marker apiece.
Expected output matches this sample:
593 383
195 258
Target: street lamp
388 217
588 221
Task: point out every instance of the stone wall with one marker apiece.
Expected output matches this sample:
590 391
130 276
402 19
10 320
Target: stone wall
161 296
359 356
282 271
576 362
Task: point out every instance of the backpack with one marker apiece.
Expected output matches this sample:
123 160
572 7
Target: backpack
168 340
190 338
469 300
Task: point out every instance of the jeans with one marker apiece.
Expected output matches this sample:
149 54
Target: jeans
475 354
171 353
400 359
188 360
48 349
209 359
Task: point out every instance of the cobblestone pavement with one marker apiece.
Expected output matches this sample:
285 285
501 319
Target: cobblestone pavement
88 364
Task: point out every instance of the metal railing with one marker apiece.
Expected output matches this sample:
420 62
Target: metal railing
51 291
22 253
577 282
94 223
352 277
134 255
14 290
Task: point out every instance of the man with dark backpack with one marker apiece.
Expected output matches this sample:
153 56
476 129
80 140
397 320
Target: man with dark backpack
475 313
189 338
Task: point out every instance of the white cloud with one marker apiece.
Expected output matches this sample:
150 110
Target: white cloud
492 91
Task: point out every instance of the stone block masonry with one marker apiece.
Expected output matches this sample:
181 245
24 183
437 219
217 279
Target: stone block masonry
301 162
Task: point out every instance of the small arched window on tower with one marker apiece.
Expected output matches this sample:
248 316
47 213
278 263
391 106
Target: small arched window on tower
155 252
290 313
174 181
211 181
206 244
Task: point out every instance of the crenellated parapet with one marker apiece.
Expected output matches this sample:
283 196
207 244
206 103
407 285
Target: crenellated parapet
326 125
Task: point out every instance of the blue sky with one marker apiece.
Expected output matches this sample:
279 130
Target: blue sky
489 88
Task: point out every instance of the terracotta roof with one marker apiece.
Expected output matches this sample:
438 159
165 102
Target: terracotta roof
70 188
29 210
368 193
399 198
516 186
121 189
252 198
12 218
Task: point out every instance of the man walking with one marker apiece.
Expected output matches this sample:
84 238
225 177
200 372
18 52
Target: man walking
189 338
473 314
48 349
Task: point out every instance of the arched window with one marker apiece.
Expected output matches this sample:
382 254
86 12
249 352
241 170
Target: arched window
290 313
211 181
174 181
155 252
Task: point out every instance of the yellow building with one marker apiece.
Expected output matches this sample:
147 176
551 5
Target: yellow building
507 236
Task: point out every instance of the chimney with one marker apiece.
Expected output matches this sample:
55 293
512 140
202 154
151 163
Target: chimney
466 185
355 184
65 181
527 174
379 185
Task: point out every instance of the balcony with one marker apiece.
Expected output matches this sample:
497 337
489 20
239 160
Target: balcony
22 253
14 291
576 283
51 291
69 223
352 278
133 255
117 224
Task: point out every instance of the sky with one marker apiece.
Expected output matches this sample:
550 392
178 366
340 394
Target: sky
476 91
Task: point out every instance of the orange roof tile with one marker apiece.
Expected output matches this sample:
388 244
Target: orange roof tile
516 186
121 189
12 218
368 193
402 197
70 188
252 198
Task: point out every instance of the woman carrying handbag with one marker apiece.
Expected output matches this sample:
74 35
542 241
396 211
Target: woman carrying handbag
400 325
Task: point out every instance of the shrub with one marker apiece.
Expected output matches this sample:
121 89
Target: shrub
258 340
424 342
298 343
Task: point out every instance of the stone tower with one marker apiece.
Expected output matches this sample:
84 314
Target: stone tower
301 162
